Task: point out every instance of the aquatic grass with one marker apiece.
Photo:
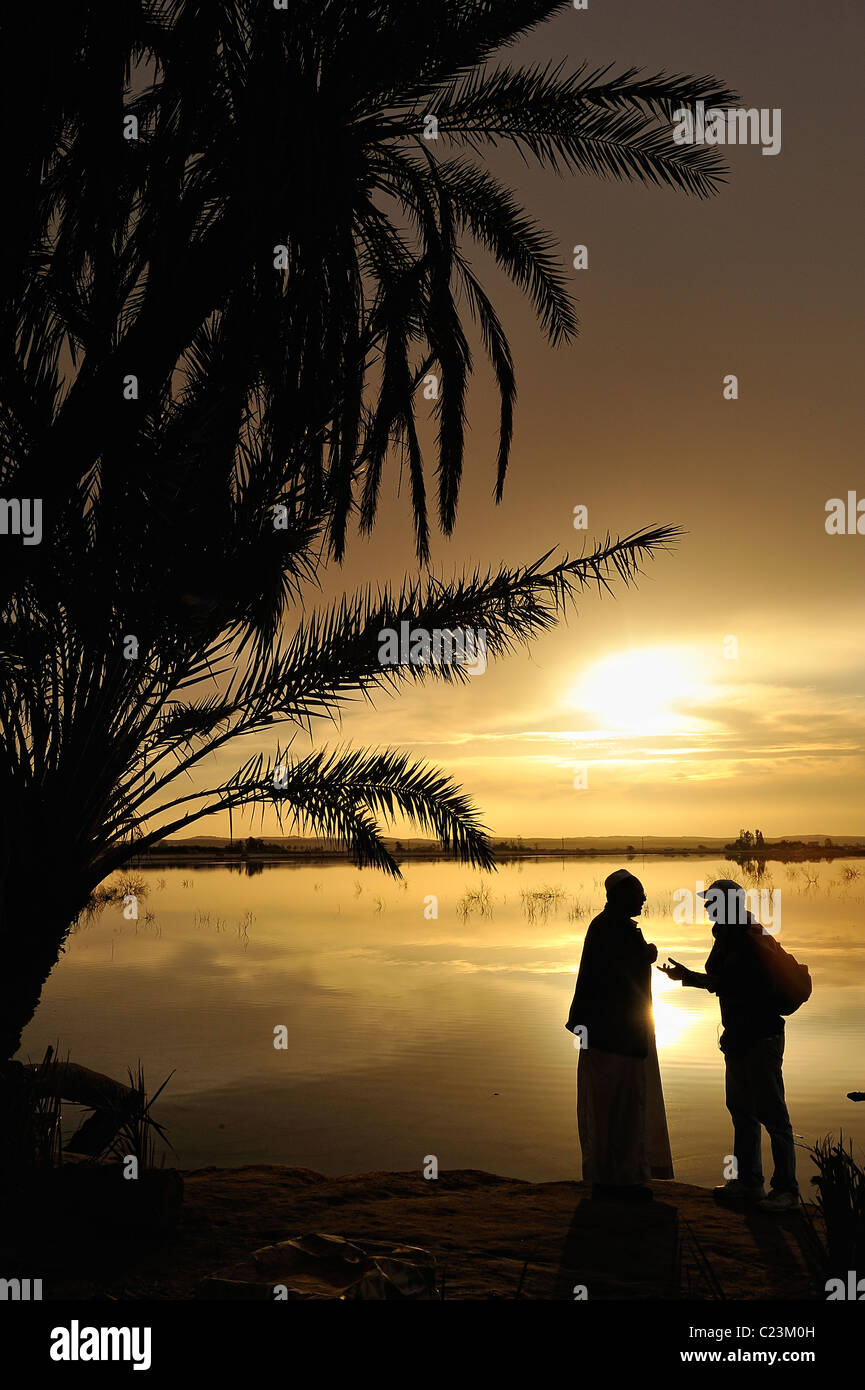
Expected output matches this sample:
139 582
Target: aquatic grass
33 1134
138 1133
661 905
205 919
475 900
42 1133
840 1184
539 903
111 893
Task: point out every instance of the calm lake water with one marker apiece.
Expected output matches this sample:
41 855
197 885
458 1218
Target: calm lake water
408 1035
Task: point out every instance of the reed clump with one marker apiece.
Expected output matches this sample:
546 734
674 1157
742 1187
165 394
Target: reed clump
840 1187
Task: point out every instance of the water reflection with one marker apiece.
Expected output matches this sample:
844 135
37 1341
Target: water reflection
427 1016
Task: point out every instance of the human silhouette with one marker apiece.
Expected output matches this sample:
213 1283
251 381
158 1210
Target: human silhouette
620 1103
753 1047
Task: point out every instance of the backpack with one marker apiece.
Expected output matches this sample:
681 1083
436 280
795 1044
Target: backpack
790 981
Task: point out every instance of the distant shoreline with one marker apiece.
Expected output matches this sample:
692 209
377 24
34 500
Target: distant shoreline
225 854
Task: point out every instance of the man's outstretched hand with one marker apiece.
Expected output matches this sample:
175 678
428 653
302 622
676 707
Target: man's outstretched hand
674 970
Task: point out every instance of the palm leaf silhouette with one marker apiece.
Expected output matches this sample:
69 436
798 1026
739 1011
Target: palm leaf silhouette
232 259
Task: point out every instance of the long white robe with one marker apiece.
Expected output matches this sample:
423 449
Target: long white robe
621 1117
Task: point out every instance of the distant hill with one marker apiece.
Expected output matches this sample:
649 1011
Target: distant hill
544 844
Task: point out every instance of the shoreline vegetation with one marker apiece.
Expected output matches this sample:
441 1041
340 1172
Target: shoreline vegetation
214 851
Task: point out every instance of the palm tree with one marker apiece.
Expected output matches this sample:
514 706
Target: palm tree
233 258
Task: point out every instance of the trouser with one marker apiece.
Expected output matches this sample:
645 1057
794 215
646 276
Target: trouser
755 1097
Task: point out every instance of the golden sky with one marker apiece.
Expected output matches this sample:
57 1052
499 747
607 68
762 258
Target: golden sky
676 735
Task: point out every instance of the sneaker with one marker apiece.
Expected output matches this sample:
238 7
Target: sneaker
736 1192
780 1201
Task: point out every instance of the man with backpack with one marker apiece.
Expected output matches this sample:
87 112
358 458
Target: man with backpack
756 982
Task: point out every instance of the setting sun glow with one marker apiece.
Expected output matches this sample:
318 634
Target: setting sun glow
639 691
672 1021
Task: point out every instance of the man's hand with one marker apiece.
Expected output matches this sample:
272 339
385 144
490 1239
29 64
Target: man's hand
651 952
674 970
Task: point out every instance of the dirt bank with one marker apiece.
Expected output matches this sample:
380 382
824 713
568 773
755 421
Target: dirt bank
490 1234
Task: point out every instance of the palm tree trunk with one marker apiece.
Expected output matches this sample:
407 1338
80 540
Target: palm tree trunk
28 953
38 904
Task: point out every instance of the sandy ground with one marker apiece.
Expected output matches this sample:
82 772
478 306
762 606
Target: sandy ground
489 1234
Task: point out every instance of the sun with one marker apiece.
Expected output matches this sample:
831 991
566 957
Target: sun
640 691
672 1020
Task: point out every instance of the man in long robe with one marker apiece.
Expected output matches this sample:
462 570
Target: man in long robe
620 1104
